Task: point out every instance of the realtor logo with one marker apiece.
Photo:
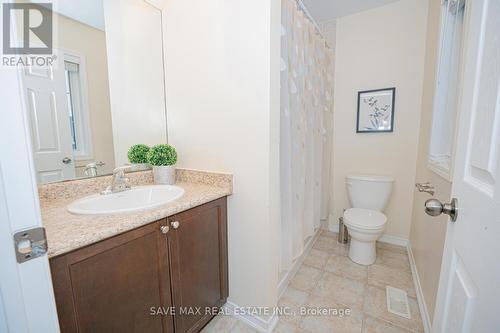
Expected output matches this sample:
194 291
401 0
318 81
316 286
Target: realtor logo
36 24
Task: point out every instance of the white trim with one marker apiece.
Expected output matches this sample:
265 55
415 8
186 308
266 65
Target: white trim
441 165
394 240
439 170
283 284
80 59
256 322
268 325
424 313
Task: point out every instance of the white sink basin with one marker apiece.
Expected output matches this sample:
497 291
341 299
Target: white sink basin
137 199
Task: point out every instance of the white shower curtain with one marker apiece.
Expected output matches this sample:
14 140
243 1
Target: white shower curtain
306 130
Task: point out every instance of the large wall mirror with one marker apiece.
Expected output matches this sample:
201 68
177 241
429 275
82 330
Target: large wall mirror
105 92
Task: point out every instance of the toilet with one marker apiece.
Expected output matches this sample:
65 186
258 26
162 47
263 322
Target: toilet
369 195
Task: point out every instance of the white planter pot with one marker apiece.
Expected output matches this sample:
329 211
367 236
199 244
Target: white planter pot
140 167
164 175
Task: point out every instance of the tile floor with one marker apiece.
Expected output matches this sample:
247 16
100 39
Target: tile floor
329 279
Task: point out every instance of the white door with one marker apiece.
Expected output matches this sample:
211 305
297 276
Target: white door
26 296
469 290
49 117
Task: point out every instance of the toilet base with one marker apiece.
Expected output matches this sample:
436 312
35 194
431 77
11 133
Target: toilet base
363 253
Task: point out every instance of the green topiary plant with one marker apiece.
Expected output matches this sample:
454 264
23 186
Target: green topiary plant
137 154
162 155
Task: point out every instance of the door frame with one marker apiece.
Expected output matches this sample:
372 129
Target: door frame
27 301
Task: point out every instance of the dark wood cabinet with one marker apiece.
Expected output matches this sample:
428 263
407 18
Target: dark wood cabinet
198 264
130 282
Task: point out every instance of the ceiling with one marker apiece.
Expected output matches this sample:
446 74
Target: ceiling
327 10
90 12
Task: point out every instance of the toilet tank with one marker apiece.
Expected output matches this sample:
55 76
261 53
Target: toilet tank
369 191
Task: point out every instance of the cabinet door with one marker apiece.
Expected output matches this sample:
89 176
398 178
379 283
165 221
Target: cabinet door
198 264
112 285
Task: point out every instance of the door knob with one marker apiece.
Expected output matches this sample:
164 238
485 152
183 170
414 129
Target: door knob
66 160
164 229
434 207
175 224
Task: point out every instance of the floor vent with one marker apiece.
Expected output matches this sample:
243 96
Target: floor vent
397 302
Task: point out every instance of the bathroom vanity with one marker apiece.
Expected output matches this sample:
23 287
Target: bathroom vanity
159 275
138 258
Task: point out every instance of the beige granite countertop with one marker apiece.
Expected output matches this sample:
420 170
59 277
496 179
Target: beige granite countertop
67 231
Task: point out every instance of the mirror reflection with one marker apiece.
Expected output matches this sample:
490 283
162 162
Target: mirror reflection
104 93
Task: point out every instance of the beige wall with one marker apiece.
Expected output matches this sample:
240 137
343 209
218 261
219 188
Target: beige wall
379 48
428 233
222 83
90 42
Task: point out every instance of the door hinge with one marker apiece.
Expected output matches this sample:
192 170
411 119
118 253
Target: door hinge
30 244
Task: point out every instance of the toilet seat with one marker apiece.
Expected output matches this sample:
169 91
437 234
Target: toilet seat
366 219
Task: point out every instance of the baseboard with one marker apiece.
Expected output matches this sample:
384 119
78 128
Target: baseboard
283 284
256 322
394 240
420 295
334 227
268 325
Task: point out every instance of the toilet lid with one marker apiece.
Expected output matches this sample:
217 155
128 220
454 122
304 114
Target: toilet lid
364 218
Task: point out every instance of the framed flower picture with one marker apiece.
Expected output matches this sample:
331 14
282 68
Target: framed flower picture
376 110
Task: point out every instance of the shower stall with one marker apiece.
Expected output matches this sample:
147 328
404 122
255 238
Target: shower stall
307 68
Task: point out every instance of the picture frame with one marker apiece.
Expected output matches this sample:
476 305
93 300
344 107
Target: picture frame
376 111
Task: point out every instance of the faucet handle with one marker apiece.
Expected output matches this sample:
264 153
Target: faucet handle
126 181
119 182
119 172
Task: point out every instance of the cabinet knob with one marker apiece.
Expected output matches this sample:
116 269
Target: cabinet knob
175 224
164 229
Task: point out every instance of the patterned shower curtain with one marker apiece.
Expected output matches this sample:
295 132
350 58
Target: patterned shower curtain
306 130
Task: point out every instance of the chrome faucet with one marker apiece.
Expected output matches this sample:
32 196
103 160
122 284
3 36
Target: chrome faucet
119 182
90 170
